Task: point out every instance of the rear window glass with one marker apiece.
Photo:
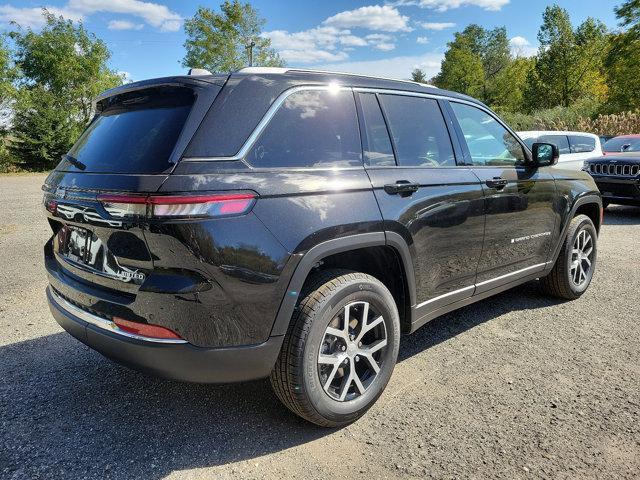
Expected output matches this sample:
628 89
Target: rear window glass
582 143
134 133
311 129
624 144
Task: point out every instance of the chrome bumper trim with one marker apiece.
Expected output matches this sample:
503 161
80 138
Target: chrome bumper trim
103 323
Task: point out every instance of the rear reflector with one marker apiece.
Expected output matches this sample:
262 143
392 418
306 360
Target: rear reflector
177 206
145 329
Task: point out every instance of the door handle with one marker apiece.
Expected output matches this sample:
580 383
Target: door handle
404 188
497 182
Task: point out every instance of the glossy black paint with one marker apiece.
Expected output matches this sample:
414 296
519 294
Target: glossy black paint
234 281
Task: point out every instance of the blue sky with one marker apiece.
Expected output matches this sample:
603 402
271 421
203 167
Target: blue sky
380 38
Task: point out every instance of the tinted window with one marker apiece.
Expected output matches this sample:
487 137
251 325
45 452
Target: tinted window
622 144
311 129
582 144
559 141
489 142
377 144
134 133
418 130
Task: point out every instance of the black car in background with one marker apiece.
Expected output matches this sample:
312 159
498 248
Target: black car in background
293 224
617 177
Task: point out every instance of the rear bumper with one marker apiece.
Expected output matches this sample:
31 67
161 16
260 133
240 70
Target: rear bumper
176 360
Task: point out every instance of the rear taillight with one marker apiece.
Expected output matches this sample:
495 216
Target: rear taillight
177 206
145 329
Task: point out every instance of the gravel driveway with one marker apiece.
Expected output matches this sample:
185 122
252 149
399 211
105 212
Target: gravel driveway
517 386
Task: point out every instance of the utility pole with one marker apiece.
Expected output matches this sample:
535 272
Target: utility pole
250 48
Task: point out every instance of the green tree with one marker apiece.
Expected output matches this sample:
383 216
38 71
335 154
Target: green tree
220 42
569 63
488 47
623 60
62 68
461 71
419 76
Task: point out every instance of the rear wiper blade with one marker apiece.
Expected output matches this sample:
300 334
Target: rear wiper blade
74 161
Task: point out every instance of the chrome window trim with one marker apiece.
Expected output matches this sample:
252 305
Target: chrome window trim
275 106
103 323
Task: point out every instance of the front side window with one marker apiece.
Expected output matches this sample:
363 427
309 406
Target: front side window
559 141
312 128
489 142
419 132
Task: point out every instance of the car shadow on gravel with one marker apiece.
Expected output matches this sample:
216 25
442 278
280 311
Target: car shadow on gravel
67 411
622 215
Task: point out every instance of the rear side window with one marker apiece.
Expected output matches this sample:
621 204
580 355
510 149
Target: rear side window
559 141
419 132
311 129
488 141
581 144
378 151
135 132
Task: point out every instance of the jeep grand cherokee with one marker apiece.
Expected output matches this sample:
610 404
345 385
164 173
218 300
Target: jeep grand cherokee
293 224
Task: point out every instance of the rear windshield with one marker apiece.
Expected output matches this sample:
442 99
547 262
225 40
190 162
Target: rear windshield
133 133
622 144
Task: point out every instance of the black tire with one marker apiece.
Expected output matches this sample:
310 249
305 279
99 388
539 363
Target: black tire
296 375
560 282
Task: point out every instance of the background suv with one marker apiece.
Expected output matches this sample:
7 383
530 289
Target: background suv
575 147
294 224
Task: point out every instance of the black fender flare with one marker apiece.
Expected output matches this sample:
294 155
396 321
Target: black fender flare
581 200
338 245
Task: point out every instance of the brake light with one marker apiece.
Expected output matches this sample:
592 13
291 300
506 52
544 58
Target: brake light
177 206
145 329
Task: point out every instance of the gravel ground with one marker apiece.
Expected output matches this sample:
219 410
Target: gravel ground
516 386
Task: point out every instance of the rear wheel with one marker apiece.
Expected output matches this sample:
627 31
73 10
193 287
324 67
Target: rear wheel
340 349
573 271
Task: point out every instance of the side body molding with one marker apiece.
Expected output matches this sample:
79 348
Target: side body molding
331 247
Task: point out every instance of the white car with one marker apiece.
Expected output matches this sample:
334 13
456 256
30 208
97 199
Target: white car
575 147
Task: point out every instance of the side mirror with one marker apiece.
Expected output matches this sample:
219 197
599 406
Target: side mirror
545 154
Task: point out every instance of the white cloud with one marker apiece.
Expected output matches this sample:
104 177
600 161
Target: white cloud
521 47
443 5
395 67
154 14
124 25
437 25
32 17
375 17
422 40
311 55
324 44
126 76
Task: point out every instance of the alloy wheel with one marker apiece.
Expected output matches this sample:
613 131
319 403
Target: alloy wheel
581 258
351 352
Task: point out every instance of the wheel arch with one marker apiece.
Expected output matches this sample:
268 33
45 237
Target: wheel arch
587 204
348 252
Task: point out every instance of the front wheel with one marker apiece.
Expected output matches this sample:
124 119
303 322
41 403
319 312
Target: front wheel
340 349
573 270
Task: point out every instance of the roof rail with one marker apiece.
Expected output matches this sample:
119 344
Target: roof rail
283 70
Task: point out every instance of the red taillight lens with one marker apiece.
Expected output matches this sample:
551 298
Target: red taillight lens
177 206
145 329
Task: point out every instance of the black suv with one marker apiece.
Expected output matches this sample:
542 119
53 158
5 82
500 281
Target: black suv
293 224
617 177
